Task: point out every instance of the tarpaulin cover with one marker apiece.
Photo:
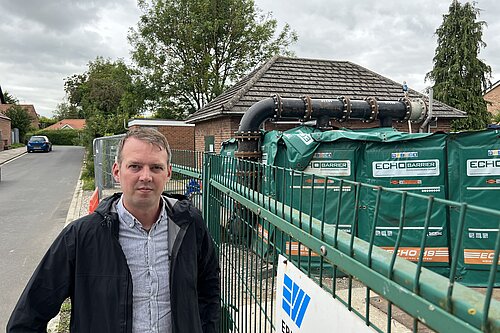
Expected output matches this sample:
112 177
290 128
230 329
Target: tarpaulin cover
474 171
461 167
337 155
412 163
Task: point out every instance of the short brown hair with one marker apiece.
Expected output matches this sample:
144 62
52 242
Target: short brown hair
145 134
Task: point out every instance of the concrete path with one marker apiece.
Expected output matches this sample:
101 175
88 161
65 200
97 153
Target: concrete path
7 155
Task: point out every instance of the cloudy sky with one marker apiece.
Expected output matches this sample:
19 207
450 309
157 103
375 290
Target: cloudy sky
42 43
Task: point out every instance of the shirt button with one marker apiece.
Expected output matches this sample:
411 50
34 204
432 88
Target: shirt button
131 225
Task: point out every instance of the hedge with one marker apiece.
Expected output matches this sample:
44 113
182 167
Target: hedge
63 137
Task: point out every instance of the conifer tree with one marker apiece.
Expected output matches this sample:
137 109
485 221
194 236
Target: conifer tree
459 76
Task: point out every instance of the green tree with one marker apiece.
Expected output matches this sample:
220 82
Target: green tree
20 119
66 110
106 95
46 122
459 76
189 51
107 88
9 99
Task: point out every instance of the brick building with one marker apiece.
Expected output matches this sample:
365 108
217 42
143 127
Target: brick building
179 134
296 77
492 96
5 137
30 109
5 126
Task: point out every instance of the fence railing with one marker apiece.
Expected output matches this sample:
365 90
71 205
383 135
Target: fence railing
105 151
322 226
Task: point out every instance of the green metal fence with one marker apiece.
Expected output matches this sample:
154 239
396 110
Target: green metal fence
252 226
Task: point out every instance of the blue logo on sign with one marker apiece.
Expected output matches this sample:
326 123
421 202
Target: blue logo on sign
295 300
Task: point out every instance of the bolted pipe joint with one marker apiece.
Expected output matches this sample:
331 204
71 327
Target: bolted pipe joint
323 110
248 145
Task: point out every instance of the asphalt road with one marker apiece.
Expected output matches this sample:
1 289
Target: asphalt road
35 193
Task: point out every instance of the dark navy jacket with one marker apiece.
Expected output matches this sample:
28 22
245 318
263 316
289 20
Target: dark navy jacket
87 264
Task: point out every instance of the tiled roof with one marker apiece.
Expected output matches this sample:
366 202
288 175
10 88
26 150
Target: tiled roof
67 123
30 109
296 77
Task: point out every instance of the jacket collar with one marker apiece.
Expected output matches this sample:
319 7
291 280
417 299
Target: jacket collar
179 208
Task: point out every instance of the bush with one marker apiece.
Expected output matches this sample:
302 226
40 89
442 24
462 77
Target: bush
88 183
63 137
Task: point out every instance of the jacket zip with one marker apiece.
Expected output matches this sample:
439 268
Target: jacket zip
107 223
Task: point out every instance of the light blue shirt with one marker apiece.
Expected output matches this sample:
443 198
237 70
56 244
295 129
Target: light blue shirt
148 260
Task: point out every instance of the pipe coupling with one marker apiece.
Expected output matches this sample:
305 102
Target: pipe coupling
372 102
248 155
346 109
307 107
406 101
278 106
250 135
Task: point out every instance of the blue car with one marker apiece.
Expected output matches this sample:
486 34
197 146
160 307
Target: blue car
39 143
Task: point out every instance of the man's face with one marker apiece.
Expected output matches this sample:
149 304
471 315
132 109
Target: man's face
142 174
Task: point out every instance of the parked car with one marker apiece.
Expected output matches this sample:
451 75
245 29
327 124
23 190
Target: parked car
39 143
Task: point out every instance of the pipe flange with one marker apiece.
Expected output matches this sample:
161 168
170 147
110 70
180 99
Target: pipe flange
255 135
307 107
372 101
247 173
407 102
278 106
248 154
423 114
346 109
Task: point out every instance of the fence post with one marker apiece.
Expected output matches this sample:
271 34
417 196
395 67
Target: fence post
205 177
98 177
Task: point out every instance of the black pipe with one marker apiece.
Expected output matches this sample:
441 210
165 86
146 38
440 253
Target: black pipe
296 108
341 109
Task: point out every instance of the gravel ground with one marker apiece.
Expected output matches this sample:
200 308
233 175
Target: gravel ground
84 208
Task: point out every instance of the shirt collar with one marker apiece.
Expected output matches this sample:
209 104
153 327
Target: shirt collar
130 220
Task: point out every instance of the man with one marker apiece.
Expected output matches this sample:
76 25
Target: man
142 262
405 89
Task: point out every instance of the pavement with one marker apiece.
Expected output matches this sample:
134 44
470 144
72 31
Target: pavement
7 155
10 154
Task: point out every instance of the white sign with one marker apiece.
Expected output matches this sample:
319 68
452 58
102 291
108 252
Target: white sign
483 167
302 306
421 168
335 168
